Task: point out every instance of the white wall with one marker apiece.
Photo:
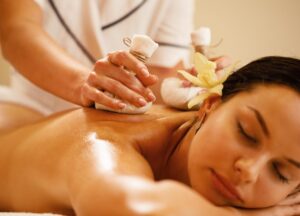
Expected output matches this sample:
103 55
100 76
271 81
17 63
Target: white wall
252 28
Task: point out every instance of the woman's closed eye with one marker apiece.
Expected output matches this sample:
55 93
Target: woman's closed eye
254 141
279 175
246 134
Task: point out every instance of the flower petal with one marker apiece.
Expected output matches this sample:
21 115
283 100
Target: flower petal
191 78
198 99
216 89
205 68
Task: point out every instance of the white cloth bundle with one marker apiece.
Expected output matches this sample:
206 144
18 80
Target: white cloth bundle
172 91
143 46
205 83
175 95
201 37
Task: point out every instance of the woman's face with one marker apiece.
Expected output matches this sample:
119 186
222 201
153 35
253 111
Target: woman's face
246 153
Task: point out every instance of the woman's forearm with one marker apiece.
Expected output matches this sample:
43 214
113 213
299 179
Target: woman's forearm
135 196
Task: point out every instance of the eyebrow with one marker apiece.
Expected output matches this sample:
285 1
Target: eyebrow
295 163
261 121
267 133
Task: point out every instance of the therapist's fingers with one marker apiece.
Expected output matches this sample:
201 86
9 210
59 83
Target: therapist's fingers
131 63
91 95
125 79
221 61
186 83
118 89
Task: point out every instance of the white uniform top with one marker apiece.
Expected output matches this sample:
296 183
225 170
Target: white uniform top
89 29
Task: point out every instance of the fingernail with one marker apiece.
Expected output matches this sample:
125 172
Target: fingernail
145 72
155 78
121 105
186 84
151 96
142 102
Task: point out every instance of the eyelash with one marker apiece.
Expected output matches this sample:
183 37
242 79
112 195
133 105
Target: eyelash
281 177
244 134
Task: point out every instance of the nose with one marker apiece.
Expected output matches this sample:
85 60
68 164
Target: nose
249 169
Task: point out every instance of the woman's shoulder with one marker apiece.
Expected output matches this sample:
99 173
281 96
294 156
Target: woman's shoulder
93 115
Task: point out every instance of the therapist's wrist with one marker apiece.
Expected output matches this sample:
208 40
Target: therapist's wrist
78 93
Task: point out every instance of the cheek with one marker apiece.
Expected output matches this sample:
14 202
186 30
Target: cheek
210 144
210 149
264 195
267 191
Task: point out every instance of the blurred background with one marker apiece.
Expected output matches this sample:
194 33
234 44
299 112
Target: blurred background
249 28
252 28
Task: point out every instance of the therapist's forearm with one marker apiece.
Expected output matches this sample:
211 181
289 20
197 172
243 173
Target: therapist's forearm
34 54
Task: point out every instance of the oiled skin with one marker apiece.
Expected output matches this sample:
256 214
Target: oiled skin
48 166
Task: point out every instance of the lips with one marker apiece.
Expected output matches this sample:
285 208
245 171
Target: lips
225 188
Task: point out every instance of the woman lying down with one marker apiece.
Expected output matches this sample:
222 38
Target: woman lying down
238 155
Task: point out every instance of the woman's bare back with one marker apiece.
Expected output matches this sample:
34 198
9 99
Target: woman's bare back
42 162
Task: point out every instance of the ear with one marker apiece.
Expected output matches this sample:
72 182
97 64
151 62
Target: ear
210 104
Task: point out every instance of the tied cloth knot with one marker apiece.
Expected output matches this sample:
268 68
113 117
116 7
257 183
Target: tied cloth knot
206 78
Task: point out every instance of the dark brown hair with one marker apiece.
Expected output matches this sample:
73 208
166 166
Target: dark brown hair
268 70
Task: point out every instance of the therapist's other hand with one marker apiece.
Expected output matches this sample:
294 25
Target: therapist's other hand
122 75
222 62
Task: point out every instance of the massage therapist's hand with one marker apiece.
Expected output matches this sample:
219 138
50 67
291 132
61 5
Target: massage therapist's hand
122 75
222 62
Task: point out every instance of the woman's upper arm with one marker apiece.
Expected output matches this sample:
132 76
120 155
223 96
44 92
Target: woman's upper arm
106 174
131 195
118 182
